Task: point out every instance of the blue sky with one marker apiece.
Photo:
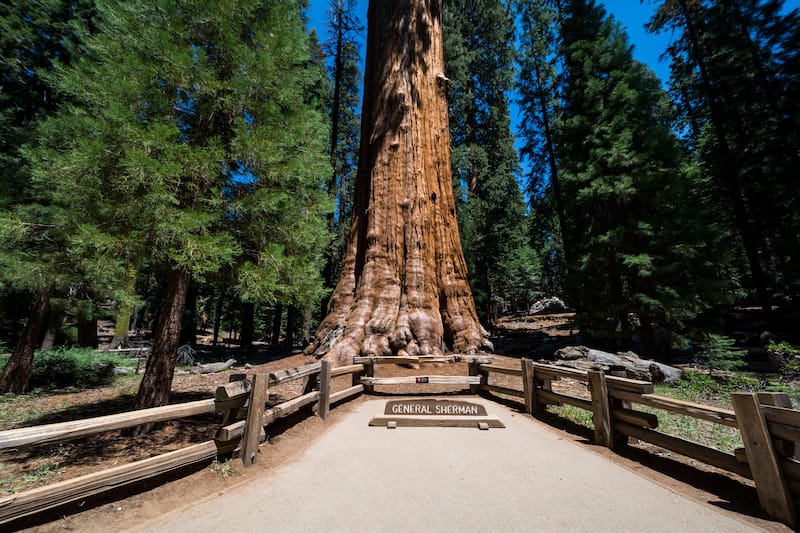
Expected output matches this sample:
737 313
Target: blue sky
632 14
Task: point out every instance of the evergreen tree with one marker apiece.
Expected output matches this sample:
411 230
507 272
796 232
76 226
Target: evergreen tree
479 55
734 78
537 84
33 35
190 142
345 75
626 206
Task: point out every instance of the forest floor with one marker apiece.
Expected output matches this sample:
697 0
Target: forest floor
124 508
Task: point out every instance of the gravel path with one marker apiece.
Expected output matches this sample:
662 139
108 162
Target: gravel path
522 478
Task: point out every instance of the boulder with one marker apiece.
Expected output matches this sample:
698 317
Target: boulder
627 363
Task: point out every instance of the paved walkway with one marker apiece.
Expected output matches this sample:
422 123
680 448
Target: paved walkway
522 478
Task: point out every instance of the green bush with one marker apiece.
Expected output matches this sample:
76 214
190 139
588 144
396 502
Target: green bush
74 367
786 357
718 354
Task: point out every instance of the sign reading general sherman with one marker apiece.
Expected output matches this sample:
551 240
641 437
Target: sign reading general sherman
434 408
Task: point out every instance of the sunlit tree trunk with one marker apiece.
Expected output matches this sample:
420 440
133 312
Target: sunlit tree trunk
403 288
157 380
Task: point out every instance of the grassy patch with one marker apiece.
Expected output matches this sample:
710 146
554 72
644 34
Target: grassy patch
698 387
225 469
574 414
37 473
75 367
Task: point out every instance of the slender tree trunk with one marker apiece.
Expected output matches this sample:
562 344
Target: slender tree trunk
122 325
157 381
189 318
307 317
87 327
17 372
54 319
277 318
218 315
403 288
247 324
728 172
292 315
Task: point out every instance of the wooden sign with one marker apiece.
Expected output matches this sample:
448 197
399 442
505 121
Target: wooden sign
432 407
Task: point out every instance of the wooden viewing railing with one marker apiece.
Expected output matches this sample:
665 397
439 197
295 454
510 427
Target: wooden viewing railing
770 428
242 403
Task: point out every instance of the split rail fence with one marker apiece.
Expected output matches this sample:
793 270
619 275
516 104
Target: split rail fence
242 403
769 427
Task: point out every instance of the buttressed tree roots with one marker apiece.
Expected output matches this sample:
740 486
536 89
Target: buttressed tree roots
403 288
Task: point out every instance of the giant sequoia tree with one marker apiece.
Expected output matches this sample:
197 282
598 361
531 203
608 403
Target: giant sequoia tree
403 288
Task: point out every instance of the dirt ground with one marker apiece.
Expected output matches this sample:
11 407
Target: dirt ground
287 439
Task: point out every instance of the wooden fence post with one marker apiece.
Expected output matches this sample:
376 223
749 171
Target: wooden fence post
601 411
773 493
473 371
255 418
324 402
529 385
369 370
785 448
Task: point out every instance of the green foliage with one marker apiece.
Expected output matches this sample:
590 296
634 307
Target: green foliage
190 142
38 473
787 358
717 353
75 367
479 59
734 82
633 263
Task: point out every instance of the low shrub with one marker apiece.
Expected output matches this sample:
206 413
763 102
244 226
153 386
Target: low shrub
718 353
786 357
75 367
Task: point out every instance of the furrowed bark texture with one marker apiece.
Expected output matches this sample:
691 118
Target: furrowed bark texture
157 380
403 289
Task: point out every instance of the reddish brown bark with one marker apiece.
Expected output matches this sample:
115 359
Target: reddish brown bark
403 288
157 380
17 372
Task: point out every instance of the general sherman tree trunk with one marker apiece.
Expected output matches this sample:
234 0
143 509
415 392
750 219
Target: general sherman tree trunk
403 288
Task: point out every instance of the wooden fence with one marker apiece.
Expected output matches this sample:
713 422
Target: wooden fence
242 403
769 427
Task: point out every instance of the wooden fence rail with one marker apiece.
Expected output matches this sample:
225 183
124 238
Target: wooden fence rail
241 398
770 428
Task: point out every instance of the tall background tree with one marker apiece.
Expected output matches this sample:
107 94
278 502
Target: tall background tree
734 80
190 142
33 35
479 54
342 47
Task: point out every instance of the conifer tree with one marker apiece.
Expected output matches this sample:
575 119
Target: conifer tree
479 54
33 35
345 77
190 142
625 201
734 78
403 289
